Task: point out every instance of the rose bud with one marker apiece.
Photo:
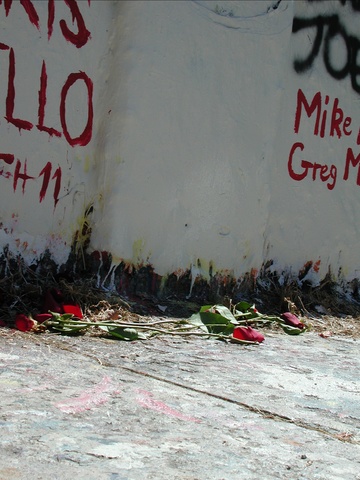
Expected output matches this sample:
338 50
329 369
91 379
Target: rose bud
51 305
24 323
249 334
42 317
292 320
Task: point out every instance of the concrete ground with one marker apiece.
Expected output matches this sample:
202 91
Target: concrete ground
196 409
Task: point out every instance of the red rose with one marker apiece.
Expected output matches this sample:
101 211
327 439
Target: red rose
249 334
42 317
292 320
24 323
52 305
3 323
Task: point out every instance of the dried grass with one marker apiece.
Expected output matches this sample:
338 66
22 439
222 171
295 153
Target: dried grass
328 325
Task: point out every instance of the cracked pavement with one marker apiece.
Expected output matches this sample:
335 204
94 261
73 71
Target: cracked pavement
95 408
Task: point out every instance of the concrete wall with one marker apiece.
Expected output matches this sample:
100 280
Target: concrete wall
195 136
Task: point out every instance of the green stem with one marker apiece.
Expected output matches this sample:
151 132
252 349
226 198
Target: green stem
71 322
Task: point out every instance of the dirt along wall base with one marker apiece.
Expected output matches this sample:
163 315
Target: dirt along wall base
87 277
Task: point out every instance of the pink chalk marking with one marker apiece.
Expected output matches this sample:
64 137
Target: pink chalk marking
146 400
89 398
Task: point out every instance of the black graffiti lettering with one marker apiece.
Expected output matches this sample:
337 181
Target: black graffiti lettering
355 63
299 24
334 30
355 4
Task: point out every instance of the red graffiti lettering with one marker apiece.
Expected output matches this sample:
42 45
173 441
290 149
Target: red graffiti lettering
10 99
46 172
7 5
57 177
42 104
339 124
84 138
51 17
323 172
337 117
23 176
7 158
29 9
32 13
292 173
86 135
80 38
350 159
310 109
20 173
78 35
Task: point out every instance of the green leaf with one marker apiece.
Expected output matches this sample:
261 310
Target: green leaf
68 330
195 320
246 310
214 319
122 333
243 306
216 323
292 330
221 310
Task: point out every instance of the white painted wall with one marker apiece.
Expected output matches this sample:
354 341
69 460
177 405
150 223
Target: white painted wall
29 225
194 111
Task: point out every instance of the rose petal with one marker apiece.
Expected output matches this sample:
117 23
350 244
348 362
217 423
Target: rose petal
326 334
291 319
74 309
24 323
249 334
